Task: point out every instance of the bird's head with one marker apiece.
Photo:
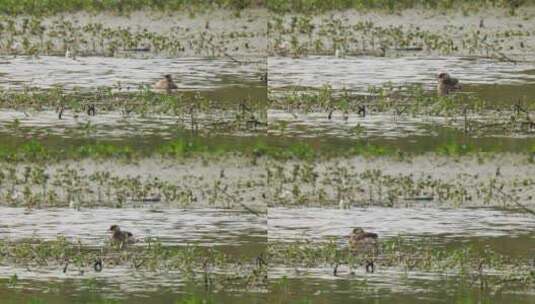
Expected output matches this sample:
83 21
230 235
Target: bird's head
443 76
114 228
358 230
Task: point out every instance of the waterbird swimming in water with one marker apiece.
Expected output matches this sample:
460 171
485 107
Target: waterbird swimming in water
166 83
365 244
121 237
446 84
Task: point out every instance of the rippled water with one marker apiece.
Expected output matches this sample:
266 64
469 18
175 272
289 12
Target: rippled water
507 232
232 231
316 124
494 81
407 287
110 124
207 227
287 224
90 72
225 79
359 73
120 283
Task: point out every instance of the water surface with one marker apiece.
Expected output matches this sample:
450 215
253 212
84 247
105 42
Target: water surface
130 73
357 74
206 227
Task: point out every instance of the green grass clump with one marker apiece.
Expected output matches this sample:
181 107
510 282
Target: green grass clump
50 7
455 149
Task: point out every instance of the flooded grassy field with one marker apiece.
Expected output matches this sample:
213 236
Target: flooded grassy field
442 180
88 142
267 152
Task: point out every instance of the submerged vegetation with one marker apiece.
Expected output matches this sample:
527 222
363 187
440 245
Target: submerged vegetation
329 184
75 186
483 266
60 35
207 267
83 150
466 112
191 111
138 100
301 6
354 33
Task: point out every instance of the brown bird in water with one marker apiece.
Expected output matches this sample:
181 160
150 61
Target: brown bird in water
364 244
166 83
121 237
446 84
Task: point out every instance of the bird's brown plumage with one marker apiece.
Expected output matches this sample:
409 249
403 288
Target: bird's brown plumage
446 84
362 242
121 237
166 83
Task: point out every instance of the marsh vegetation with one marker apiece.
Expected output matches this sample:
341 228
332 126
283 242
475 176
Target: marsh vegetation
291 124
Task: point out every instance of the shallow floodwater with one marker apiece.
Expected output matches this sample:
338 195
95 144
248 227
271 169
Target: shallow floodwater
317 124
117 285
359 73
112 124
507 231
385 287
219 80
496 82
206 227
233 232
129 73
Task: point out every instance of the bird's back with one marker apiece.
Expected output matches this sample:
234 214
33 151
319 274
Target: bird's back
364 243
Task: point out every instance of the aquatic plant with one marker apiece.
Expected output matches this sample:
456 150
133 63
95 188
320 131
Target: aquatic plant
331 182
199 265
315 6
469 263
36 35
466 112
295 35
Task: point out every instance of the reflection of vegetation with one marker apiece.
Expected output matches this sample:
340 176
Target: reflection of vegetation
192 261
99 299
471 263
465 112
193 111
